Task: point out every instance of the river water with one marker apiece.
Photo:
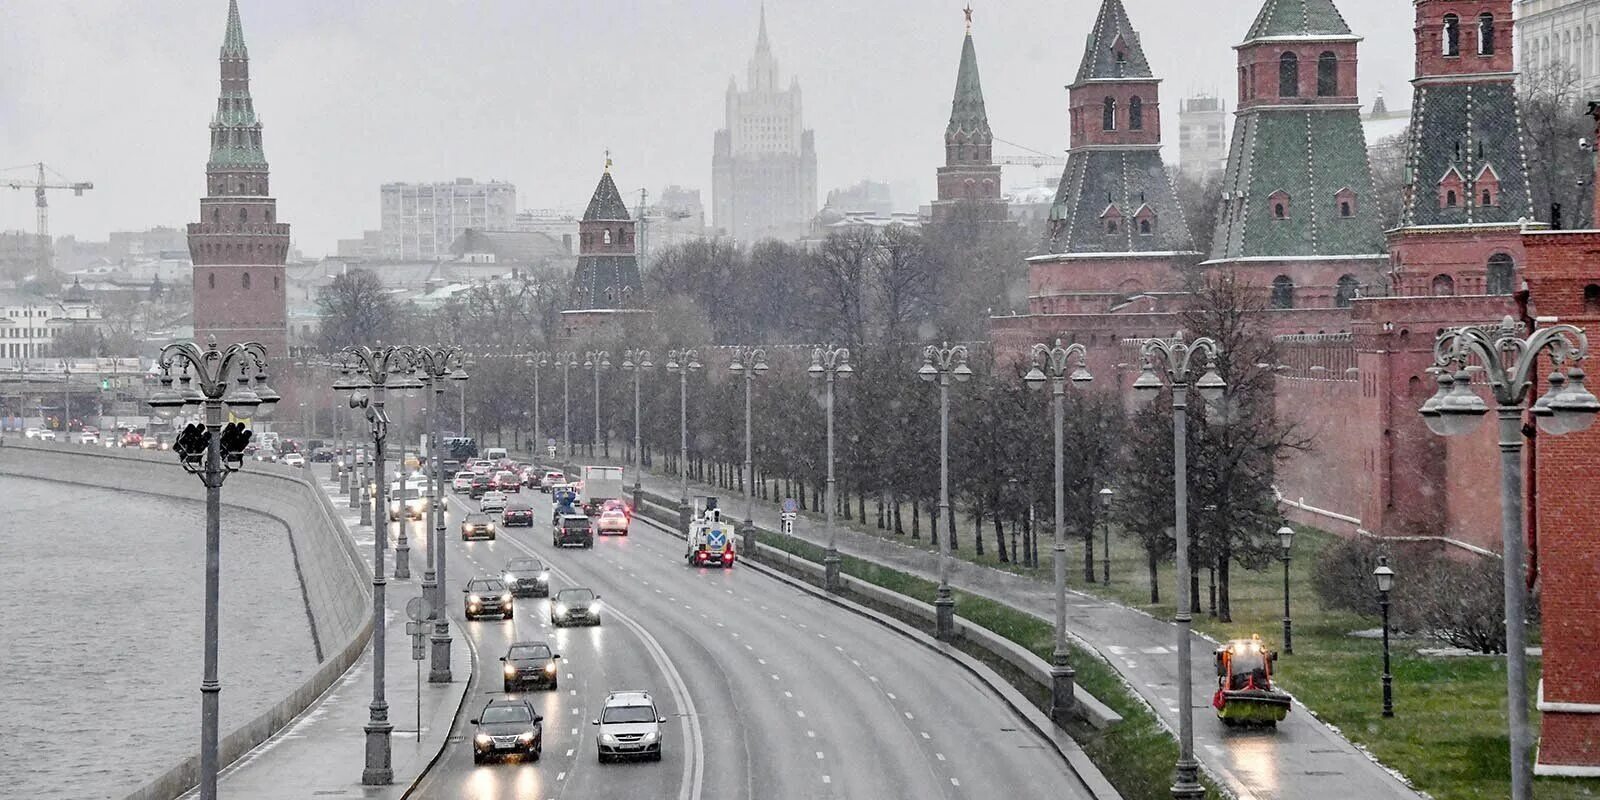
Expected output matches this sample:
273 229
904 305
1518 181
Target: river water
100 650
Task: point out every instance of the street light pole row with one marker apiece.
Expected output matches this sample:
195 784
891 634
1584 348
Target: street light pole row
438 365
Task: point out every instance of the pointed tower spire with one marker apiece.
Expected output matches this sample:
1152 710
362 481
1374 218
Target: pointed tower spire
761 37
607 273
1320 18
1113 51
969 174
233 39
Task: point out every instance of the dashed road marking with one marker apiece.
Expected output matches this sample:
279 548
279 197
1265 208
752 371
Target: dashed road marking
800 714
819 755
925 735
940 756
826 779
954 782
908 715
761 661
569 753
811 734
890 695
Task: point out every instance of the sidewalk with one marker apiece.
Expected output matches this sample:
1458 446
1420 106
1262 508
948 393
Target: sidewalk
1305 758
323 751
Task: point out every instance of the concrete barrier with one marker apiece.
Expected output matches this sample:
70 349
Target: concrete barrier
334 582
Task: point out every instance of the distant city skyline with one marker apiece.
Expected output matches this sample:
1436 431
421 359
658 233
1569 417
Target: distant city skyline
356 96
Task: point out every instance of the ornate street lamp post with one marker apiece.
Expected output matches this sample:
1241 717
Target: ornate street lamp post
1384 576
939 364
370 369
405 385
1051 363
1509 361
595 361
749 363
827 363
211 451
1176 359
637 362
536 363
438 365
1285 542
681 363
566 361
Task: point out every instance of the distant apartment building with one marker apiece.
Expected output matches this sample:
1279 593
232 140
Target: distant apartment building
367 248
420 220
29 324
1558 35
764 162
869 196
1202 136
558 224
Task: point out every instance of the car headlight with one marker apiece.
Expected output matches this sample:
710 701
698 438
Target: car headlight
490 526
594 607
509 578
550 667
511 672
651 737
505 598
608 738
474 599
544 577
526 738
560 609
482 738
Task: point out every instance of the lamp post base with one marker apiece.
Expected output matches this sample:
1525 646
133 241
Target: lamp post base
366 509
747 533
944 615
379 770
439 651
1186 785
349 488
402 555
830 571
1063 703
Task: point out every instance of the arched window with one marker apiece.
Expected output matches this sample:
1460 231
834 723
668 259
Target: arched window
269 215
211 280
1144 227
1451 41
1328 74
1591 298
1111 225
245 281
274 283
216 216
1345 210
1279 202
1498 280
1135 114
1283 292
1486 34
1443 286
1108 115
1450 198
1288 75
608 236
1347 291
244 215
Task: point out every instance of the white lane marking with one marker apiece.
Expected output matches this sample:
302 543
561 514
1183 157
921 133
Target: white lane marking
940 756
577 711
890 695
569 753
811 734
574 731
826 779
788 694
762 660
954 782
800 714
748 647
574 692
561 776
872 678
908 715
819 755
775 677
925 735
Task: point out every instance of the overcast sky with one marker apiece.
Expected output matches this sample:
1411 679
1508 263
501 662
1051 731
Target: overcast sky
354 94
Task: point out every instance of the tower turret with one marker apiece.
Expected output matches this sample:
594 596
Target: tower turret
969 179
607 275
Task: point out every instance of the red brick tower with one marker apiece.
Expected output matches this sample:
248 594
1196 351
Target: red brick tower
969 181
238 246
1116 229
1563 278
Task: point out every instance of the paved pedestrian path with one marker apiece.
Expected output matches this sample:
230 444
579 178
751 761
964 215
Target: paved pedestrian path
323 751
1304 758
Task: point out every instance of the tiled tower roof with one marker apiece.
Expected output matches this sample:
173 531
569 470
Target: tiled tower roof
607 201
1101 183
1470 130
233 39
235 131
1298 18
968 118
1101 55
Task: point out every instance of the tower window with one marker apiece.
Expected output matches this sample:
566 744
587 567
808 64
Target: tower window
1486 34
1283 292
1348 288
274 283
1498 280
216 216
1488 198
1136 114
1344 209
211 280
1108 114
1591 298
1111 226
1452 36
1279 202
608 236
1450 198
1328 74
245 281
244 215
1288 75
1443 286
1144 227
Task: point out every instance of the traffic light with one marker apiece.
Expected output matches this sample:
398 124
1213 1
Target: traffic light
105 383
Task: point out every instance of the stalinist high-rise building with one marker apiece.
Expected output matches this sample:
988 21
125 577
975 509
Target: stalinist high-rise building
239 246
764 170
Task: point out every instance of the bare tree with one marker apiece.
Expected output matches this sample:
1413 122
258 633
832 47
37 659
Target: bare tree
1554 119
357 309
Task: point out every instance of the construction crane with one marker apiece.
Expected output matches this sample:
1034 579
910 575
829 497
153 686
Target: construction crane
39 186
648 214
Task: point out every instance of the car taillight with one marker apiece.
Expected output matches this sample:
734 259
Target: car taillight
727 557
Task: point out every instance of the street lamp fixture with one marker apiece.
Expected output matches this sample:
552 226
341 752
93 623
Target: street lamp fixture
637 362
370 369
211 451
827 364
939 364
1285 542
1050 364
1385 580
681 363
1177 359
749 363
1508 362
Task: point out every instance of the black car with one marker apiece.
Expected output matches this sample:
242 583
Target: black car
527 577
488 597
572 529
505 727
477 525
575 607
480 485
518 513
531 664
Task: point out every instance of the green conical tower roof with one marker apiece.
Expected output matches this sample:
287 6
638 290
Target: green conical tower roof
607 201
1113 50
967 114
1298 18
233 40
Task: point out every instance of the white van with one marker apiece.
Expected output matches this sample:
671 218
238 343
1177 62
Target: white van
495 454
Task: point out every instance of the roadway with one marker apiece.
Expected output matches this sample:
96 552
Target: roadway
769 691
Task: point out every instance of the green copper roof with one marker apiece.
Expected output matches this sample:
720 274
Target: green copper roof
1113 50
233 40
1124 187
1474 129
1298 18
607 201
967 114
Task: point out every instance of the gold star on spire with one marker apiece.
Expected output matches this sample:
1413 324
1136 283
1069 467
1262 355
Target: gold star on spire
968 12
608 159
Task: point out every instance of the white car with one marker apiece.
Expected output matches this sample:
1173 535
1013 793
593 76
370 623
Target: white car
32 433
47 436
89 437
294 460
462 481
482 467
492 502
630 727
